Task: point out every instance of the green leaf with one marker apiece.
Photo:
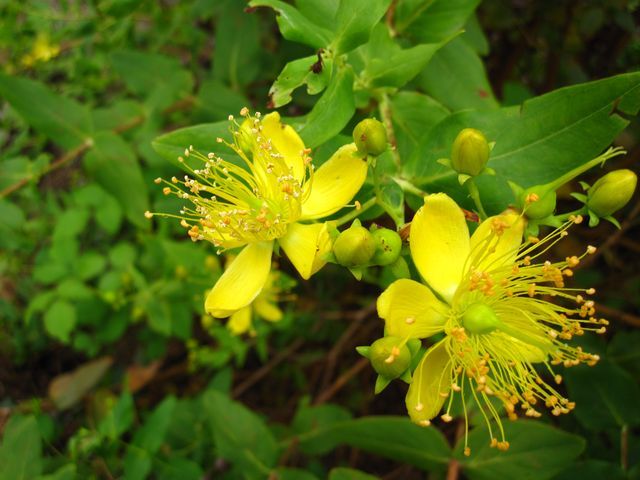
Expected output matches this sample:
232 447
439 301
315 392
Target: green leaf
413 115
456 77
332 111
119 418
537 452
605 395
475 37
66 472
430 21
60 319
113 164
354 21
623 351
21 449
90 264
349 474
61 119
560 130
391 437
240 435
294 25
320 12
238 53
297 73
215 101
389 65
391 198
148 440
159 79
202 137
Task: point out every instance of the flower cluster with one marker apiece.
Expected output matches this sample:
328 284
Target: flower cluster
266 192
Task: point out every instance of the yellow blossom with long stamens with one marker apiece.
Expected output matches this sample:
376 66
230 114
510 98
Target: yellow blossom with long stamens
264 198
495 301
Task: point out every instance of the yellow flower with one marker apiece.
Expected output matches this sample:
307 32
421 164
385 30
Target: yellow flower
489 295
264 200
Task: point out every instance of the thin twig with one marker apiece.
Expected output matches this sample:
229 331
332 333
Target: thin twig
266 368
341 381
618 314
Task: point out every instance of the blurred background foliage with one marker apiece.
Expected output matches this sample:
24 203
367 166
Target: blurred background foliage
108 366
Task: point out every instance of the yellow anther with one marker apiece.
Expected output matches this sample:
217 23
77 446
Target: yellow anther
467 451
424 423
591 249
419 407
410 320
148 214
157 180
446 418
166 190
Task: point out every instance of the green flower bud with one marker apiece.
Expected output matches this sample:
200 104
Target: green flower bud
389 357
470 152
370 137
480 318
611 192
538 202
388 246
245 137
354 247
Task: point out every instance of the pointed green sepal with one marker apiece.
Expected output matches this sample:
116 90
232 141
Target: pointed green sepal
444 161
414 344
381 384
580 197
489 171
357 273
364 350
613 220
406 377
516 189
400 269
594 220
462 178
585 186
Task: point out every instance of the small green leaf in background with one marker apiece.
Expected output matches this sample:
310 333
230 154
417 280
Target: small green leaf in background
240 435
294 25
67 472
354 21
21 450
113 164
292 474
148 440
160 80
61 119
332 111
119 418
203 138
60 319
215 101
537 452
237 57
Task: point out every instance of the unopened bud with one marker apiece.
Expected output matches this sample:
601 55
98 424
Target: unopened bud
480 318
538 202
355 246
244 136
389 357
388 246
611 192
470 152
370 137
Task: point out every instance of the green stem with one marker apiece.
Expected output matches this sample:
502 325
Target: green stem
474 193
570 175
385 113
354 213
565 216
409 187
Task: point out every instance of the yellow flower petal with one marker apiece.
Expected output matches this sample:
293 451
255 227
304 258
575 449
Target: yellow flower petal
410 309
266 309
242 281
287 142
430 385
335 183
496 241
439 242
240 321
306 245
